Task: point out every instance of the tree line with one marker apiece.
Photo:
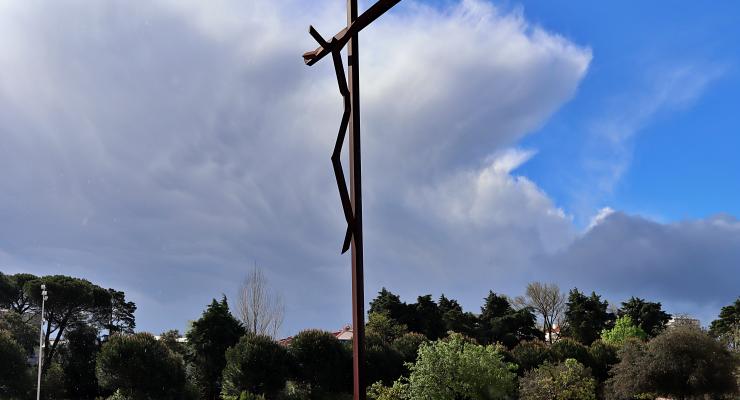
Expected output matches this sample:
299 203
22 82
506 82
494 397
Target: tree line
542 345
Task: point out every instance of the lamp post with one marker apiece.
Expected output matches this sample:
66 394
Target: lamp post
44 297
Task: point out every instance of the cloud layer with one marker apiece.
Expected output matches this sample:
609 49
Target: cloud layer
163 148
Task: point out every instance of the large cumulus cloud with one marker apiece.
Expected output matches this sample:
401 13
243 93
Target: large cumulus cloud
164 147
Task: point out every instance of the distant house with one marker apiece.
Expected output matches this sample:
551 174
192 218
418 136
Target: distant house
683 320
181 339
343 335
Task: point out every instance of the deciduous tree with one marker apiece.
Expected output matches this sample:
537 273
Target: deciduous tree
681 362
458 368
260 307
548 301
623 329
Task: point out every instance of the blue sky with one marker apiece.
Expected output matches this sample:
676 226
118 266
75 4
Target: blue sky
164 148
683 160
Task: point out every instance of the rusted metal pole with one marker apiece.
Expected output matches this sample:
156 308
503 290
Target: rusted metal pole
355 173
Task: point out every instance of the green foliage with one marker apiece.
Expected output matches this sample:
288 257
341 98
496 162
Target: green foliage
727 326
530 354
454 318
569 380
458 368
586 317
7 291
408 345
603 356
140 367
15 379
383 362
647 315
566 348
257 365
13 295
170 339
680 362
322 362
118 315
52 383
72 301
244 396
499 322
384 327
623 329
78 361
398 391
22 332
424 317
210 336
388 304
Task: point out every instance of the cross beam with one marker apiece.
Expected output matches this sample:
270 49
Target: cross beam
349 88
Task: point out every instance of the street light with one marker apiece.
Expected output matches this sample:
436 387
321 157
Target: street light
44 297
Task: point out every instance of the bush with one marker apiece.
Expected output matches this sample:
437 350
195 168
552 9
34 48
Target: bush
52 383
321 361
383 362
140 367
15 379
399 391
408 345
567 348
565 381
529 354
457 367
255 365
680 362
603 356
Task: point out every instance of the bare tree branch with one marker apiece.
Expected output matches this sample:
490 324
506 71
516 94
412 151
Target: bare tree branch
548 301
261 310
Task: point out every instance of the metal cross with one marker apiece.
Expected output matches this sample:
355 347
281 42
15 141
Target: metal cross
352 201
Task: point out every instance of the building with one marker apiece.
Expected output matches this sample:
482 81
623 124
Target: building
344 335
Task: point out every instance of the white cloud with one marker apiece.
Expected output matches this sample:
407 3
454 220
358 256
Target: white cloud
163 147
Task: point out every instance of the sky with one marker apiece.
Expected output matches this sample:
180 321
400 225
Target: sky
163 148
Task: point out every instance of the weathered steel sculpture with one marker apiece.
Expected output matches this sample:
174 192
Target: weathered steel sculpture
352 201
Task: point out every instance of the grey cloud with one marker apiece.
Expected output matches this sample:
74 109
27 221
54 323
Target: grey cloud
163 147
692 266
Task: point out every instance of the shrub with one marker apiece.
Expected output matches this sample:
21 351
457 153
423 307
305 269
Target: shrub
529 354
399 391
383 362
565 381
603 356
322 362
408 345
567 348
140 367
255 365
457 367
15 379
680 362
